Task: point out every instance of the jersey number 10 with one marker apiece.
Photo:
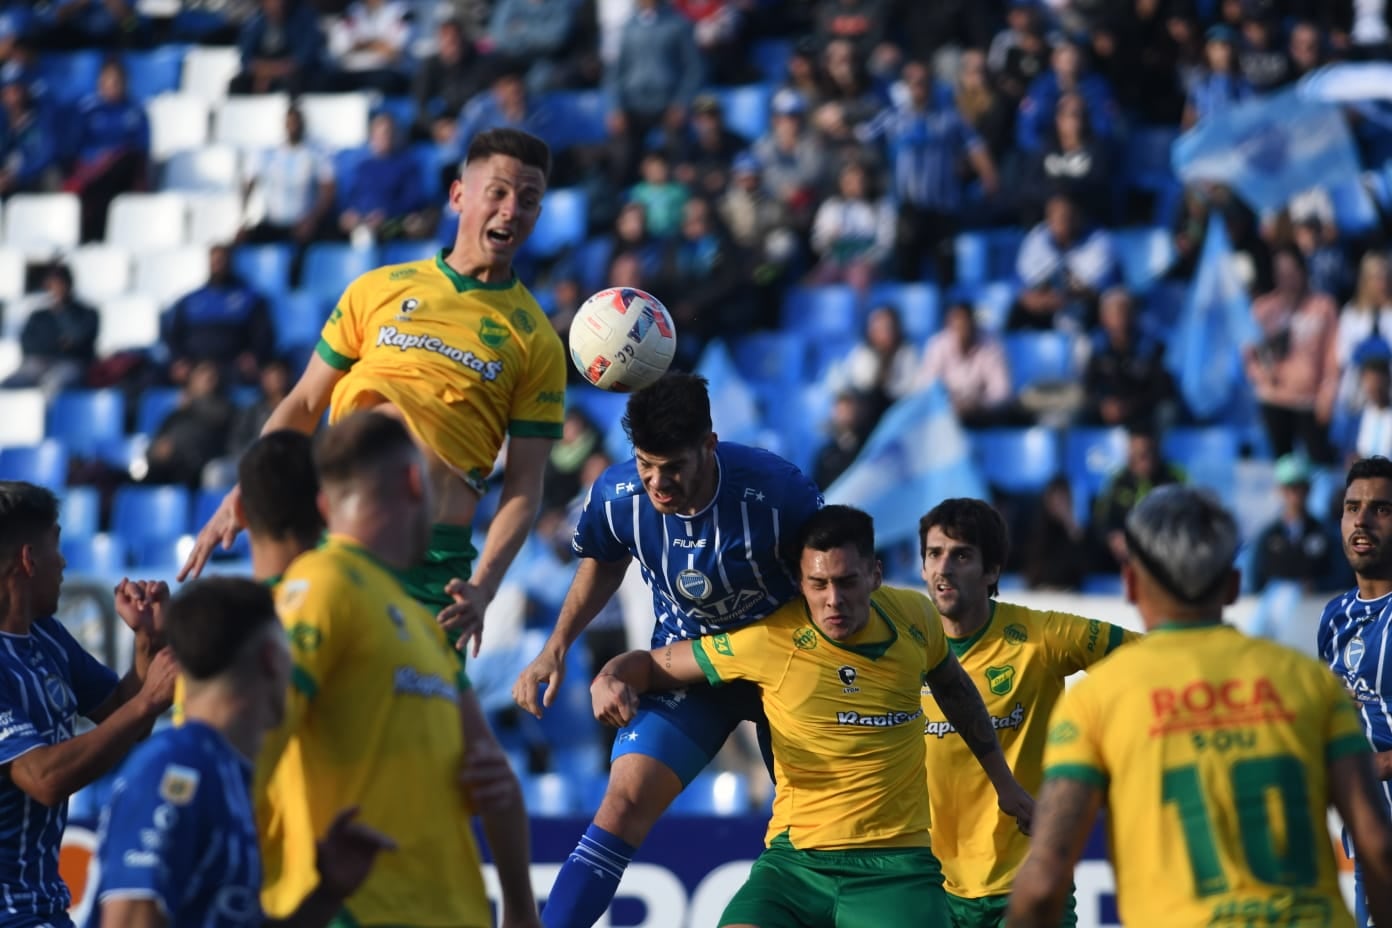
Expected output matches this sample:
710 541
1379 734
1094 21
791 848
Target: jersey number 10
1251 780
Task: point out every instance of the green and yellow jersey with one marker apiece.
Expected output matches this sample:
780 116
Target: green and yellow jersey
1213 750
467 363
372 721
845 719
1018 660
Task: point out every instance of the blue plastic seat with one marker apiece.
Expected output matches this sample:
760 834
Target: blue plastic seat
1090 457
830 311
1144 255
45 464
264 267
988 256
1147 162
1017 460
156 403
919 307
79 512
589 263
746 109
724 793
406 252
205 503
158 554
104 555
771 357
800 420
1207 455
992 303
85 419
299 318
578 117
331 266
70 76
549 795
141 514
1102 584
603 408
1040 357
151 73
771 56
401 109
562 224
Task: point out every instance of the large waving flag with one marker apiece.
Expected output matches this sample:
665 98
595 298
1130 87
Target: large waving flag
1215 325
1269 149
917 456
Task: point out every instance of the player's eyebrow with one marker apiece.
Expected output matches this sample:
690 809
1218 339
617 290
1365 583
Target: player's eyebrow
1373 501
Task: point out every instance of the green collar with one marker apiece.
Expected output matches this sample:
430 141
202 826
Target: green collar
873 650
961 646
271 583
462 283
348 544
1190 626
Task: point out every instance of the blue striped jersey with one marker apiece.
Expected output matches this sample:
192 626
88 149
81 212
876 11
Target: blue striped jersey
179 830
715 570
1355 639
46 681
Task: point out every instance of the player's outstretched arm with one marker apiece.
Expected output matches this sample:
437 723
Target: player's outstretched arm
1067 809
615 690
1355 793
300 411
594 584
961 703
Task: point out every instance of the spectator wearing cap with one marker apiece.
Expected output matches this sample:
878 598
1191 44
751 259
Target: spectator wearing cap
1062 266
1125 380
28 138
368 46
1293 547
534 34
445 82
384 194
793 159
1068 73
1019 53
928 147
1220 84
702 155
59 339
282 50
113 144
652 80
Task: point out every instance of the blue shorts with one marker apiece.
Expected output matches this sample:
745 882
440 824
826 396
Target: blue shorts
1360 900
684 729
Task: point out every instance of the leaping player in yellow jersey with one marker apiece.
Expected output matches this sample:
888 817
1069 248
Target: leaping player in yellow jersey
1018 658
1218 756
380 714
839 668
457 348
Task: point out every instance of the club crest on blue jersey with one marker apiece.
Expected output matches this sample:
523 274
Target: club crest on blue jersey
60 695
693 584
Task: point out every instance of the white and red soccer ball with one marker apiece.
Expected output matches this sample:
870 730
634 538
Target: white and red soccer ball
622 339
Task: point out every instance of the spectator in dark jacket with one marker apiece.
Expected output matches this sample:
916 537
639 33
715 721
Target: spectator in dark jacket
113 146
282 49
1144 471
28 138
224 321
385 197
705 273
1126 380
1295 545
1073 163
534 34
848 428
59 340
1055 537
446 81
194 433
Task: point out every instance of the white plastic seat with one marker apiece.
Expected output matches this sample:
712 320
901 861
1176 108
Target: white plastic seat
43 225
21 417
100 272
17 312
214 218
12 270
337 120
251 122
144 222
210 169
11 355
128 322
208 70
165 276
178 122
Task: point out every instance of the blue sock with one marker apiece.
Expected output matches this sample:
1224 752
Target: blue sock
587 881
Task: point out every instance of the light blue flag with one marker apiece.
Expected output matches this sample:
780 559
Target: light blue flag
917 456
1269 149
1216 323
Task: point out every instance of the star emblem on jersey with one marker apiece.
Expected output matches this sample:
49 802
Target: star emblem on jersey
408 306
693 584
847 675
1000 679
805 638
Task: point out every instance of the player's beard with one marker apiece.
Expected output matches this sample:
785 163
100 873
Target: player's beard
1375 563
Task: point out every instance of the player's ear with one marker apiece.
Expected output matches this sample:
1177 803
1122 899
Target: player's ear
415 480
27 563
321 501
710 442
876 575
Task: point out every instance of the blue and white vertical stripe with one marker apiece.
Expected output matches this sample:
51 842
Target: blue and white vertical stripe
1355 640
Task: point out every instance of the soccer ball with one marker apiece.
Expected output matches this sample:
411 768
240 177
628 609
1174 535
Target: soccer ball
622 339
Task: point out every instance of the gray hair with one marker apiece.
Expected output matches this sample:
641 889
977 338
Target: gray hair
1185 539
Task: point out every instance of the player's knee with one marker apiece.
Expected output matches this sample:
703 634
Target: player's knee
637 795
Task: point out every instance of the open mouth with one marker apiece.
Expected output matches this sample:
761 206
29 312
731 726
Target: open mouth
500 236
942 587
1361 544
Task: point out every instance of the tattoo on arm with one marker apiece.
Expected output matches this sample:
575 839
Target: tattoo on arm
667 658
1064 818
961 703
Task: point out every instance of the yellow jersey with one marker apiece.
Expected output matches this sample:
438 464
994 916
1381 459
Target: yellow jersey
1212 748
847 749
373 721
467 363
1018 660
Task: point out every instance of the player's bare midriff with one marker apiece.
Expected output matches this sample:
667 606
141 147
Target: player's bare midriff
455 501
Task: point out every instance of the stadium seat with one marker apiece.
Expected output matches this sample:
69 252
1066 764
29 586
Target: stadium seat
251 123
1354 211
45 463
771 56
79 512
70 76
11 357
23 421
1147 161
601 407
331 266
562 224
12 271
993 302
549 795
1144 255
1017 460
42 225
777 358
336 121
1102 585
579 117
983 257
100 272
143 514
178 122
830 311
299 318
208 70
160 554
264 267
84 419
918 306
125 453
589 263
1040 357
100 554
402 109
165 276
746 109
155 405
210 169
214 218
146 222
1208 456
128 323
151 73
710 793
1090 457
17 312
801 424
406 252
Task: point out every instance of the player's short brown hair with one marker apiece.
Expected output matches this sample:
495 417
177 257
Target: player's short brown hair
971 521
27 511
357 445
209 621
513 143
279 487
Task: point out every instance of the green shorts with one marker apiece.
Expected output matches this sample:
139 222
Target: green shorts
788 888
989 911
450 556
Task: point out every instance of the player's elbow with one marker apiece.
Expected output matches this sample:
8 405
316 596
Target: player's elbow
1373 849
38 784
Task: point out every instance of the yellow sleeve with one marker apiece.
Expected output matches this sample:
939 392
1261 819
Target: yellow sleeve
1344 730
340 341
748 653
538 405
931 626
307 606
1078 643
1073 749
